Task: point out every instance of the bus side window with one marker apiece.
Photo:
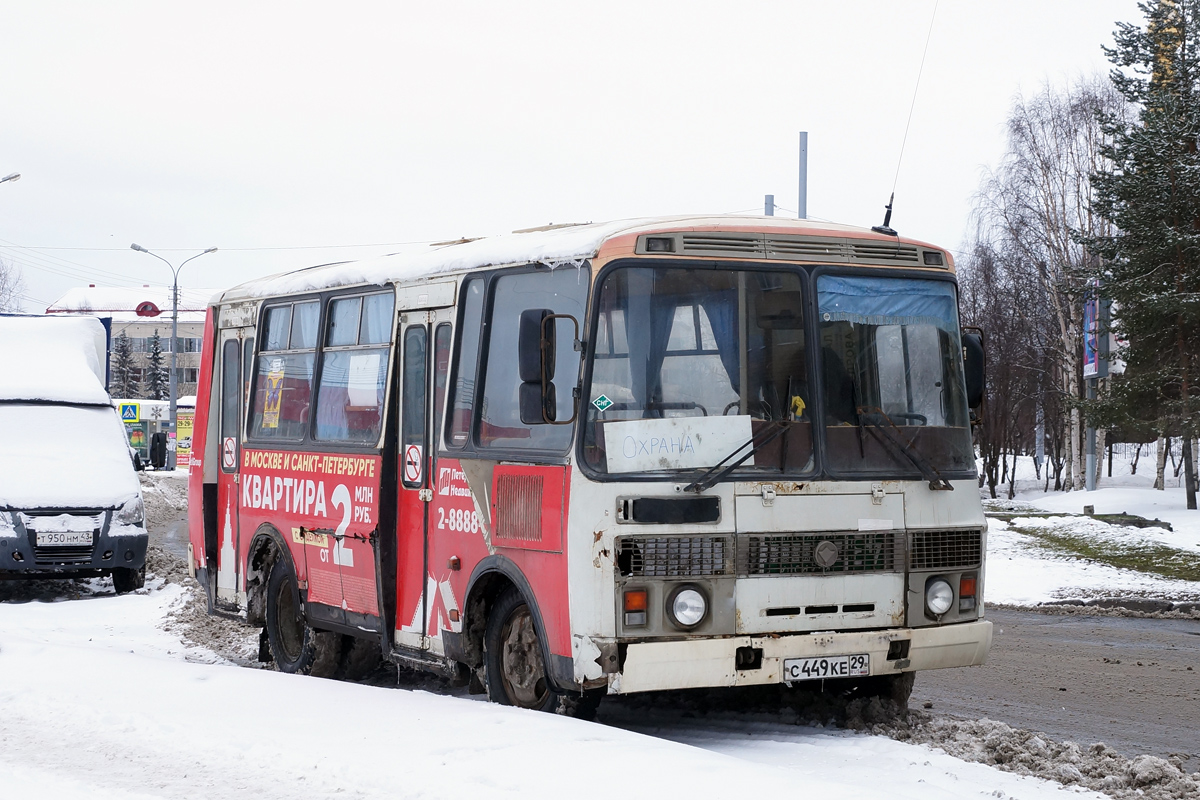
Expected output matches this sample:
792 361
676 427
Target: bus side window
462 404
441 370
247 374
230 395
565 292
283 383
416 385
354 369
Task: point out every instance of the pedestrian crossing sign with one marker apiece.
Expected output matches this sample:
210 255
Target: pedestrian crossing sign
131 412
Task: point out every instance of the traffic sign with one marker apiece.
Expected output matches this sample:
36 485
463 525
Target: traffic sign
229 453
412 463
131 412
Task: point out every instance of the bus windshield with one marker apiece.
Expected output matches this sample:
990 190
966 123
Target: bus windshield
694 365
892 367
691 364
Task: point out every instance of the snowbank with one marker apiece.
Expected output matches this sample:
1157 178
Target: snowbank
1020 573
53 359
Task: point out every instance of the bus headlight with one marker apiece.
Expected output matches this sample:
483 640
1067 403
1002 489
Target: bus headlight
938 596
687 606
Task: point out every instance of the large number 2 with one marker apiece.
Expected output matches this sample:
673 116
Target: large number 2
342 555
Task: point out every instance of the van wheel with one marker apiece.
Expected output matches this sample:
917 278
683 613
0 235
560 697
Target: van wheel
126 580
515 667
296 647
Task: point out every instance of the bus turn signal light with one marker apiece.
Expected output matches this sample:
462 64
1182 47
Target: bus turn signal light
635 603
966 593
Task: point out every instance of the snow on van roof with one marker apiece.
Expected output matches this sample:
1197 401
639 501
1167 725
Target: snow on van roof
552 246
56 359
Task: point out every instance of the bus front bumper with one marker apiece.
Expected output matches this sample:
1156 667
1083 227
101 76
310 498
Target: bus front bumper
700 663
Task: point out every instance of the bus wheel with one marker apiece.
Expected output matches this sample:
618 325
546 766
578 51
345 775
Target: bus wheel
360 659
297 648
515 670
128 580
896 688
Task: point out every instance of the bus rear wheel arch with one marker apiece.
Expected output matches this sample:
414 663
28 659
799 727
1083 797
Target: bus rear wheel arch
295 646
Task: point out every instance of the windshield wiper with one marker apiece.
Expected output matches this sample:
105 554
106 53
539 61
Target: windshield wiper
886 432
707 477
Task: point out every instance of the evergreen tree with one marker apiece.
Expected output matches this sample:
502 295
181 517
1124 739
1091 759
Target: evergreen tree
157 376
1151 267
124 382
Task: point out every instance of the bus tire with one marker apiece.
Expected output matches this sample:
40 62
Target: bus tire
515 666
360 658
126 580
897 688
297 648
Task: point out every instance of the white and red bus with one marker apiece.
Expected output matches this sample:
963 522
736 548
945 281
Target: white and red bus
605 458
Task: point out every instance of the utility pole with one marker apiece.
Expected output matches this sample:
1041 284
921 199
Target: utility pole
802 204
174 342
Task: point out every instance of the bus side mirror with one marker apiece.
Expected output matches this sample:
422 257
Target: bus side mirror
537 349
973 367
536 356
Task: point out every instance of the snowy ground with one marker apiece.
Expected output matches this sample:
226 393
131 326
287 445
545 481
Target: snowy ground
96 701
100 698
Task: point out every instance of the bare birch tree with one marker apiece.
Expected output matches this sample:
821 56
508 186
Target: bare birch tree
1035 209
11 287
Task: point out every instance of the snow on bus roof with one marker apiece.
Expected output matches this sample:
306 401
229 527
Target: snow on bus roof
55 359
551 246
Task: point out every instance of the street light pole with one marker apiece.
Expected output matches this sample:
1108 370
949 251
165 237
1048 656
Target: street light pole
174 336
16 176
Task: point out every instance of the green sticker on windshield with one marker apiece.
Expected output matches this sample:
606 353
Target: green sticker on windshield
602 402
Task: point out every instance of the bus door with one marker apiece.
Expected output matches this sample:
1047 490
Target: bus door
425 340
234 346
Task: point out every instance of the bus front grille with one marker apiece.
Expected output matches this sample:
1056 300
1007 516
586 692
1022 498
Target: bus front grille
819 553
673 556
945 549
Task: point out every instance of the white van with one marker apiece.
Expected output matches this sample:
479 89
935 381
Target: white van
70 501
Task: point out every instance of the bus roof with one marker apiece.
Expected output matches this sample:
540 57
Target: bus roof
552 245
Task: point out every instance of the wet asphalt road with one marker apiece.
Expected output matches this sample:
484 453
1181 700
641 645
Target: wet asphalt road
1118 680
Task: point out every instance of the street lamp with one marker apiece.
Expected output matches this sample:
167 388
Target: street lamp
174 334
16 176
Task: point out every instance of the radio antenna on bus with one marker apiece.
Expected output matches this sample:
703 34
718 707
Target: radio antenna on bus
886 227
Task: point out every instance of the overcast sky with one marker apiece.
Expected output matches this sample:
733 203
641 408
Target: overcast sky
291 134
